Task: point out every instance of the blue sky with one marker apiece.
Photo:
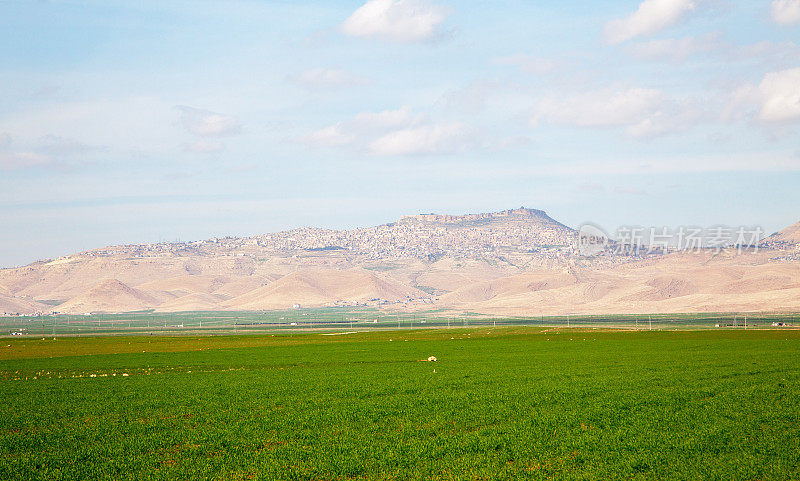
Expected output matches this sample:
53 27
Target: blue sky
129 122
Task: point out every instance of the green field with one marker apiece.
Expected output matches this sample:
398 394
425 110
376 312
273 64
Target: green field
361 318
500 403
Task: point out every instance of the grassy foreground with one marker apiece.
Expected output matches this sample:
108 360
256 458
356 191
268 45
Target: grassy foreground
500 403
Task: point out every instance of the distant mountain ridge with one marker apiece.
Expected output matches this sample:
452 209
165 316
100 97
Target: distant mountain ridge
521 213
512 262
422 236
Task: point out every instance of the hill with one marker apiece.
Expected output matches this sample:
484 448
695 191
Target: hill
513 262
786 238
192 302
678 282
324 287
109 295
11 305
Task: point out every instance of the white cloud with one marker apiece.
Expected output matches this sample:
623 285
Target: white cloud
393 132
363 127
639 112
785 12
775 101
204 123
429 139
403 21
676 50
780 93
331 136
599 109
651 17
321 78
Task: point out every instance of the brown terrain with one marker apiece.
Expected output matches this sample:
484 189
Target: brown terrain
516 262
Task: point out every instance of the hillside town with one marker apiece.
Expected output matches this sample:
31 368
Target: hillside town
425 237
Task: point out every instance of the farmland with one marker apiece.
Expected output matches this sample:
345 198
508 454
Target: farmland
500 403
363 318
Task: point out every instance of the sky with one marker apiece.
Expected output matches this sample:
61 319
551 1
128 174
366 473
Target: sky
134 122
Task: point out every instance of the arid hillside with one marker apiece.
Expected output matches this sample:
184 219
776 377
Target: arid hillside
678 282
516 262
787 238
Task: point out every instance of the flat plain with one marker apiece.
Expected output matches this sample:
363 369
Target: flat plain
499 403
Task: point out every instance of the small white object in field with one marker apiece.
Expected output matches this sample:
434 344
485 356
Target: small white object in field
434 371
124 374
432 359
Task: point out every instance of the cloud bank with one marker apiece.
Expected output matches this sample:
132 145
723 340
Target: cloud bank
780 93
398 132
651 17
641 112
774 101
785 12
401 21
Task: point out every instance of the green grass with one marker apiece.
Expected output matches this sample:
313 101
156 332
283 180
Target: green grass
362 318
505 403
